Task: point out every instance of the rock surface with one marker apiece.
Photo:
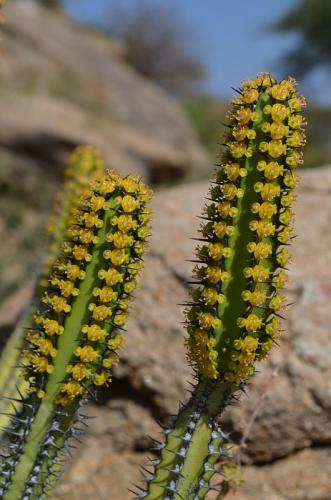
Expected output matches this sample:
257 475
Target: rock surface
63 85
66 85
287 454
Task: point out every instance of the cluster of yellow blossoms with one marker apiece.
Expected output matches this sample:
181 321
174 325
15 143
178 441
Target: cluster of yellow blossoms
102 254
85 165
248 221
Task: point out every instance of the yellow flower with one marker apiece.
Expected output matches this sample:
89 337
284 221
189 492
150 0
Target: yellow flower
86 354
129 204
94 332
252 323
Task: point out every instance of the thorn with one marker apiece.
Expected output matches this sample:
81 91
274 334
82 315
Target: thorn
174 471
173 490
278 315
196 261
146 470
16 419
190 383
237 90
11 432
204 218
139 488
93 396
154 461
136 495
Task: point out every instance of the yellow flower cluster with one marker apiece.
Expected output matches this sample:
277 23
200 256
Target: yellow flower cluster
108 236
85 165
250 205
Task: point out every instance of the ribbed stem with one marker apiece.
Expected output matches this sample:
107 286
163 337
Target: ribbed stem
85 165
192 442
75 337
234 318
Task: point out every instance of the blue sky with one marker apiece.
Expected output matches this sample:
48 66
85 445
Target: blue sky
229 36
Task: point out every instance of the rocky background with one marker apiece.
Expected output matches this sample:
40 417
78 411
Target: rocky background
62 85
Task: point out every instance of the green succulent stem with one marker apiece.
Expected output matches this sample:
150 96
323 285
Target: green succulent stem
73 341
11 380
187 446
66 346
232 321
235 264
85 165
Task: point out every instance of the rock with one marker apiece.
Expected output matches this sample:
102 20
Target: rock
56 95
92 475
301 476
287 452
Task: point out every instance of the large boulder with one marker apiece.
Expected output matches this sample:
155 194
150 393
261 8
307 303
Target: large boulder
63 84
286 453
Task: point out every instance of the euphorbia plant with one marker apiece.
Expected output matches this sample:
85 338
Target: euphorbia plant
73 337
233 316
73 340
85 165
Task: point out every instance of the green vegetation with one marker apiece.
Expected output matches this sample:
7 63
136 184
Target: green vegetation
310 20
67 345
155 46
233 315
68 342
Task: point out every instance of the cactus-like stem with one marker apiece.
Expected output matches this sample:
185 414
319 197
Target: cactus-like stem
194 444
12 384
232 320
85 165
75 336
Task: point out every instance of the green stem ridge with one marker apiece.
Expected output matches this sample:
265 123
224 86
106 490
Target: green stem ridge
11 379
194 444
233 317
85 165
74 339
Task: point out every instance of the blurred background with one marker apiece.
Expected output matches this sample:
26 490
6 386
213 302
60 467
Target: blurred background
148 82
